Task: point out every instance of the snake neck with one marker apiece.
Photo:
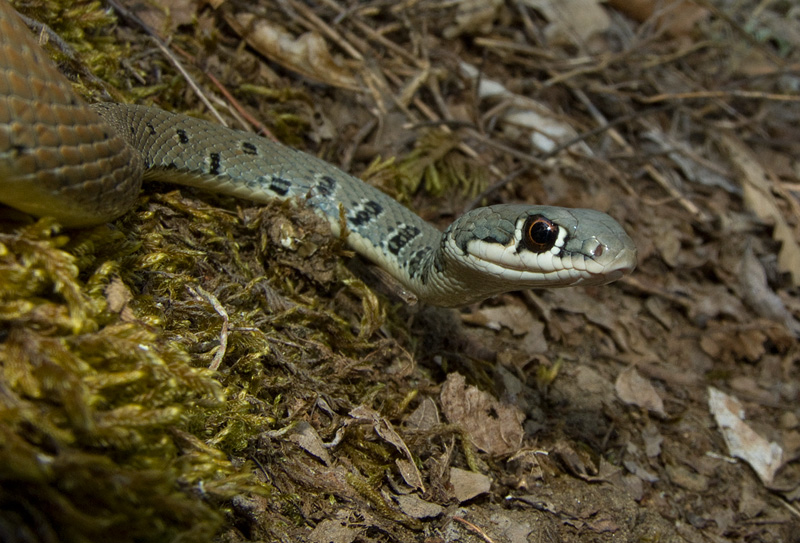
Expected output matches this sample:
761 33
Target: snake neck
180 149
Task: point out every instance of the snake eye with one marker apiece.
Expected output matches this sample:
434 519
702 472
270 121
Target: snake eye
539 234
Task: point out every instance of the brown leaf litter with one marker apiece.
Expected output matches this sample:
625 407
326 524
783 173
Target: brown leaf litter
648 410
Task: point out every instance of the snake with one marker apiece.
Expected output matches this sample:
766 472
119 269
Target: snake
84 165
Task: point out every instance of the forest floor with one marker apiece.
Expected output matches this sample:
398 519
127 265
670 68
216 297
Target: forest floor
663 407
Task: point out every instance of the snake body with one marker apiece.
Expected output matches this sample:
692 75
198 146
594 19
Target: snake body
84 165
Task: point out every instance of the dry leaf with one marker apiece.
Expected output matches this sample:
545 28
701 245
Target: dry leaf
571 21
493 427
576 462
516 318
416 507
165 17
759 199
686 478
765 457
689 161
547 128
652 440
473 17
580 302
307 55
386 431
759 296
729 345
307 438
117 295
468 484
640 471
634 389
677 17
333 531
424 417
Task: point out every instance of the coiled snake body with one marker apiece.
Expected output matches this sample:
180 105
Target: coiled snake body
84 165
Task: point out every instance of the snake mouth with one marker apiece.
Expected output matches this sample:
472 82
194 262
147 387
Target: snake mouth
624 263
551 269
523 275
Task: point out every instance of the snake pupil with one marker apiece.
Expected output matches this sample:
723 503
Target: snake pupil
540 234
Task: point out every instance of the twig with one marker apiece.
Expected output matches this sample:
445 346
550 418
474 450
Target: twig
372 33
246 116
754 95
475 529
790 507
355 141
687 204
744 34
48 35
131 17
223 333
308 14
541 162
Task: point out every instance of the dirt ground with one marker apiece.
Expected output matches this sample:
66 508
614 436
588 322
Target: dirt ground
663 407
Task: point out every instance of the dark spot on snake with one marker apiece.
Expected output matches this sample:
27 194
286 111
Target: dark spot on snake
182 137
491 239
248 148
405 233
326 185
438 264
498 233
214 163
279 185
151 129
415 264
171 166
369 211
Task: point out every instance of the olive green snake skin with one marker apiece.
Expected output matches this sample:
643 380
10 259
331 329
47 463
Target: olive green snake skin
84 165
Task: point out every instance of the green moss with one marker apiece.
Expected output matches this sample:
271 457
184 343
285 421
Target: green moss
88 405
106 336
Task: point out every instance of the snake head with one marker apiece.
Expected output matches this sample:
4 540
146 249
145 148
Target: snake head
511 247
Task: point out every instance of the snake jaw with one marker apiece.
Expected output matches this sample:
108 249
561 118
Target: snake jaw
526 269
547 269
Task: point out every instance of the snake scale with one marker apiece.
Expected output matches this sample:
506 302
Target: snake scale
84 165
